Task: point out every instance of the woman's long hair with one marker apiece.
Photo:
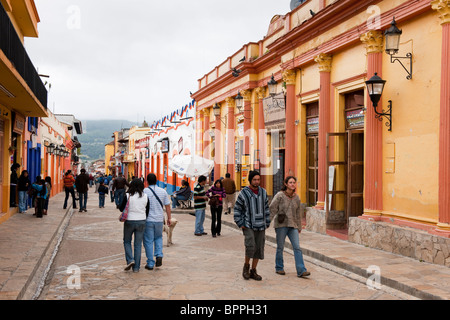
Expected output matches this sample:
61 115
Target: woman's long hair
284 188
136 186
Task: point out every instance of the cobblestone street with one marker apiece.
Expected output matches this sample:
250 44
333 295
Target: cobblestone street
194 268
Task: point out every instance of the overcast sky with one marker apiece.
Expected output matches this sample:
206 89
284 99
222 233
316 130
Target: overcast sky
136 59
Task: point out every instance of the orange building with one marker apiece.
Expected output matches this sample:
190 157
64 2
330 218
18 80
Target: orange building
297 102
22 93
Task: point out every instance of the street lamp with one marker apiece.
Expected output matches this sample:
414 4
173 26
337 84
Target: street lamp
392 46
239 101
375 87
50 148
272 84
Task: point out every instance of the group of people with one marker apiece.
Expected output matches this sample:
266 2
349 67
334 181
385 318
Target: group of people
104 186
145 222
39 192
253 214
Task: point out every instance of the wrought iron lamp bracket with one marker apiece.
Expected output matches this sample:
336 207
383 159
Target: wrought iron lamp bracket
408 57
387 115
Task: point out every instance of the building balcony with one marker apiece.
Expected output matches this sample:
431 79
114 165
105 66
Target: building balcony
21 88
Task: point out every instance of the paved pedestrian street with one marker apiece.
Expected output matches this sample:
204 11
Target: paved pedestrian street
90 265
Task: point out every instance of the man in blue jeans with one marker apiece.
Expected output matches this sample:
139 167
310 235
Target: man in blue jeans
153 235
82 184
200 199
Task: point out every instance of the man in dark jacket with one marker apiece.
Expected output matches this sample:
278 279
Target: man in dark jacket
82 184
119 189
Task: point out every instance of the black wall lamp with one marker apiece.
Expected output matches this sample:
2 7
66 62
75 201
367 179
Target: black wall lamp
392 46
272 85
217 114
375 87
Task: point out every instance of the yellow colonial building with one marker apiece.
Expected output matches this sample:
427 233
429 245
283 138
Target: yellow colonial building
352 97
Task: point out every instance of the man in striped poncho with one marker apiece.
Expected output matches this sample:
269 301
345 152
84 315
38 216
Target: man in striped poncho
252 215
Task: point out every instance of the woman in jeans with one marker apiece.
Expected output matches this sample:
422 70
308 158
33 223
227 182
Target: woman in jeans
138 207
286 207
23 186
216 191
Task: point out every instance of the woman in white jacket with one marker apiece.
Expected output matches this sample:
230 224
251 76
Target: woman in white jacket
138 207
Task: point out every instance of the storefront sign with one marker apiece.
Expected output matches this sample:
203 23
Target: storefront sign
312 125
19 124
165 146
355 118
274 109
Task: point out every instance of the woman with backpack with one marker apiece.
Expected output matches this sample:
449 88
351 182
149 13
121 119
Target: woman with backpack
41 195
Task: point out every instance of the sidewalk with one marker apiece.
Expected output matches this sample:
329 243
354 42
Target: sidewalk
28 246
420 279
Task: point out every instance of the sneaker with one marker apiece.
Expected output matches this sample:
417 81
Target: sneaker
254 275
246 271
147 267
129 266
198 234
158 262
281 272
304 274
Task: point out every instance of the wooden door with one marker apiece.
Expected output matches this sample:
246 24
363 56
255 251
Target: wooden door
312 167
355 180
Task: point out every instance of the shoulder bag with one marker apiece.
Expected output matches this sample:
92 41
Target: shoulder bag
124 216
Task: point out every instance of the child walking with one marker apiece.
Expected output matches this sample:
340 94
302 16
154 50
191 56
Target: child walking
102 192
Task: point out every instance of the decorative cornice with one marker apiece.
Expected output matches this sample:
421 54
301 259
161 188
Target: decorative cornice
289 76
373 40
260 93
324 60
443 8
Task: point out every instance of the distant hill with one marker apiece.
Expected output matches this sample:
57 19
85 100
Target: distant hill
96 134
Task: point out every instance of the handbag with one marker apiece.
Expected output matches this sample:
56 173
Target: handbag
124 216
213 201
282 216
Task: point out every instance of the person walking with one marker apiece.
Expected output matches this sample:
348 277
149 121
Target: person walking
110 186
200 199
41 195
153 235
23 186
48 185
82 184
286 209
216 194
251 213
14 181
69 182
119 188
183 194
230 189
102 192
138 208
